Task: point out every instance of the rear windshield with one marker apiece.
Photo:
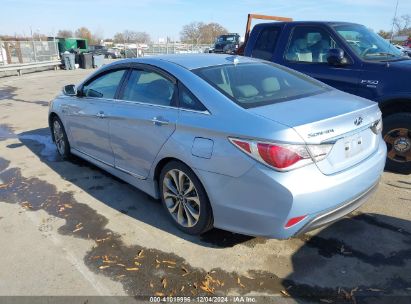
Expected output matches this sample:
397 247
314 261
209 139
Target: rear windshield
258 84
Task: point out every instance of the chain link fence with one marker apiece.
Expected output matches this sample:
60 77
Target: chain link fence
165 48
176 48
21 52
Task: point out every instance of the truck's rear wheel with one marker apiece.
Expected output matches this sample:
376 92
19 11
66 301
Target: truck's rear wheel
397 135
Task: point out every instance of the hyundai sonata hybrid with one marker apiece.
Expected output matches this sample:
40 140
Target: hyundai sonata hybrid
224 141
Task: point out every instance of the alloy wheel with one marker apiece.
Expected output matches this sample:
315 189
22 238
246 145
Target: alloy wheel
59 137
181 198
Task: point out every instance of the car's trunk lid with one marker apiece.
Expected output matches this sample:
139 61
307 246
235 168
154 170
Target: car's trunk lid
333 117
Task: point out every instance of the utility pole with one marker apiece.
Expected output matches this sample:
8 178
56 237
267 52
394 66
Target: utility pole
34 47
393 21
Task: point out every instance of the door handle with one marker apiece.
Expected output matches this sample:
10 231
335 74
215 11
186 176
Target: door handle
101 114
159 121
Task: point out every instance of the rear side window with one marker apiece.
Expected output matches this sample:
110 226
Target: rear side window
189 101
104 86
149 87
257 84
265 44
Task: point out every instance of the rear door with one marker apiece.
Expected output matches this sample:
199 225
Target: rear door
143 119
307 51
265 44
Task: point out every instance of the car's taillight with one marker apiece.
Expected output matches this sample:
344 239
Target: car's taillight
243 145
278 156
282 157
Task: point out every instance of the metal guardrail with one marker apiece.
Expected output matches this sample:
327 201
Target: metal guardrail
24 66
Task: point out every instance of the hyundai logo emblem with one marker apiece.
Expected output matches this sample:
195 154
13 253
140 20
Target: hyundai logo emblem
358 121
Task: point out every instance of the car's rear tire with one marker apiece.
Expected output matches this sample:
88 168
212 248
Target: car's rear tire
397 135
184 198
60 138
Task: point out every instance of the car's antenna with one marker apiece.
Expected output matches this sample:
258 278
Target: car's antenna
234 59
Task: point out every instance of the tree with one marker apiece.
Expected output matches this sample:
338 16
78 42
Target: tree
97 37
142 37
199 32
65 33
137 37
118 38
402 25
384 34
191 32
209 32
84 33
128 36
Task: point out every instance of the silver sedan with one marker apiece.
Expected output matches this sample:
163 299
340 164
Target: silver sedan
226 141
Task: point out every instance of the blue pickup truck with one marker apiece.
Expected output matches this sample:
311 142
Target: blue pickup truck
350 58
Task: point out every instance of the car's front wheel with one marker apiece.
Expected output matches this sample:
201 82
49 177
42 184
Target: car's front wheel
185 199
397 135
60 138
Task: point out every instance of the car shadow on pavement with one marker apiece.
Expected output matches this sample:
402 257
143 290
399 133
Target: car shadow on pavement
9 94
364 258
117 194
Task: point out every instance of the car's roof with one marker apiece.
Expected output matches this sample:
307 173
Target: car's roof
193 61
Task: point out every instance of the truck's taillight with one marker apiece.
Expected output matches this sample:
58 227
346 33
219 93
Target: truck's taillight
282 157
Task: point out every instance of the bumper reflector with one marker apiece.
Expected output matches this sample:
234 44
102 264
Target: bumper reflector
294 221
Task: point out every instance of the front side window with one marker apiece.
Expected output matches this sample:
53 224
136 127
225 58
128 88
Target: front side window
265 44
104 86
367 44
149 87
257 84
309 44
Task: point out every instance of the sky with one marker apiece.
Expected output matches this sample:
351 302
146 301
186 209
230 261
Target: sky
162 18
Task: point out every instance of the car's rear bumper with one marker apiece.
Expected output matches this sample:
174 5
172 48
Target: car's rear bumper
262 201
334 214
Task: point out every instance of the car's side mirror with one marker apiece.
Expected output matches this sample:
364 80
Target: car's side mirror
70 90
336 57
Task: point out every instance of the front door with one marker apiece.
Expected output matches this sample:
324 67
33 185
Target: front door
87 116
307 53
